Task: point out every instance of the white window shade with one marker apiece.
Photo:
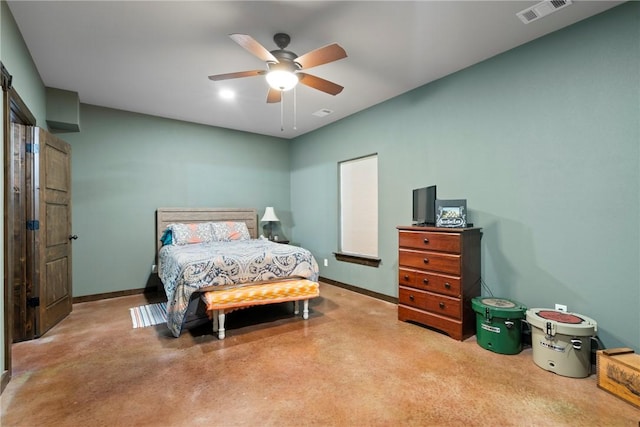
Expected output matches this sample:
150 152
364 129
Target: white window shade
359 206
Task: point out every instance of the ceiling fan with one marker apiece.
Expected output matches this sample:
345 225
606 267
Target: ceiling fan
284 68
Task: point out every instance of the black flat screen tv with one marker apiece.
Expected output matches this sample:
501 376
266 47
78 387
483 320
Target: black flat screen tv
424 206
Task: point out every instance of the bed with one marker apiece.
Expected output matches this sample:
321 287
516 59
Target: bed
211 262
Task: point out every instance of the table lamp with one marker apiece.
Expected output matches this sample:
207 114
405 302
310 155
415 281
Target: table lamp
269 217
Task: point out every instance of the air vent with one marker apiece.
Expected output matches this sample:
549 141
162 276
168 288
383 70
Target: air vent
541 9
323 112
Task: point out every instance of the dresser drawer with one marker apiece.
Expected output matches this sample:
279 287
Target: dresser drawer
453 327
412 297
434 303
407 277
444 305
440 283
434 261
431 241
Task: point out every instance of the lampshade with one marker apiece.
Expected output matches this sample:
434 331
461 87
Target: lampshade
269 215
282 79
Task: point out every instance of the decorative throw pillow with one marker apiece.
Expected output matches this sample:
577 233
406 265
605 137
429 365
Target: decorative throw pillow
167 238
230 230
184 234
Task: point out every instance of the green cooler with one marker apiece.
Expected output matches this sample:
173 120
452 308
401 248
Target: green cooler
499 324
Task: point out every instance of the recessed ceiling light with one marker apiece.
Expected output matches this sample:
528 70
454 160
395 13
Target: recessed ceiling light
227 94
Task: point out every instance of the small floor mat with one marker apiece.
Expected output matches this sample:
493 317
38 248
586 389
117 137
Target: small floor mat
148 315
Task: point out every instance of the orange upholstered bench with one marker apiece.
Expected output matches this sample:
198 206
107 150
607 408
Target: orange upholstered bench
221 302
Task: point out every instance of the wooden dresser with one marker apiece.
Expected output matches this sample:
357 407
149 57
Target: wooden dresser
438 275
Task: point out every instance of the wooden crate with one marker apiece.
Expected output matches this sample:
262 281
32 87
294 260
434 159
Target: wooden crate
619 373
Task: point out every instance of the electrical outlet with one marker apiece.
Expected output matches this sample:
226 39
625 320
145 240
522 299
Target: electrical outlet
326 262
561 307
154 268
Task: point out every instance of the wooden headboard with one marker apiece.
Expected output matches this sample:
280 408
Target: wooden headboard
166 216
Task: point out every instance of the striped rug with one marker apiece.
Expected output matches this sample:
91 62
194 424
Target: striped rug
148 315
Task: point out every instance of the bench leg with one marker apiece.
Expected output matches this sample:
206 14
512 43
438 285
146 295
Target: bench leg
221 318
218 323
215 321
305 310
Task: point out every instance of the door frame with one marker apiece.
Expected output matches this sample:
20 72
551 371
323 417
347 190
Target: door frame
14 110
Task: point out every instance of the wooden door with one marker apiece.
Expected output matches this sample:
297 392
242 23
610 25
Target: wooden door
15 111
40 174
52 208
24 314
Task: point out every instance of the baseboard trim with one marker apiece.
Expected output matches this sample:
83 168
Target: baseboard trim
108 295
359 290
116 294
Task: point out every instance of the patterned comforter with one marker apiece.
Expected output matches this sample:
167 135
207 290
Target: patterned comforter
190 268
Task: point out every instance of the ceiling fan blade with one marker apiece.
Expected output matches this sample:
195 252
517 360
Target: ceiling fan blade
253 46
320 84
237 75
320 56
274 96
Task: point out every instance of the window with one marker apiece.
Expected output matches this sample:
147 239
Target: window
359 210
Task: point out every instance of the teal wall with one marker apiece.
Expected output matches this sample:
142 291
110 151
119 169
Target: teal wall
17 59
127 165
542 141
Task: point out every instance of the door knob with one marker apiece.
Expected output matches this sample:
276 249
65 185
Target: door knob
73 237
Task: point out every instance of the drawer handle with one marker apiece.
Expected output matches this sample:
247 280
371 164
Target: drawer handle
425 281
426 260
426 241
441 305
447 285
406 277
411 297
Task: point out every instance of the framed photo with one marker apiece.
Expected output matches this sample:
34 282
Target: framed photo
451 213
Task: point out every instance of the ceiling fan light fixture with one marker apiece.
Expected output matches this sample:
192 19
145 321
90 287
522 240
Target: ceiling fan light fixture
282 80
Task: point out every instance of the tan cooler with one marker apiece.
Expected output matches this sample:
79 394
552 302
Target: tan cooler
561 342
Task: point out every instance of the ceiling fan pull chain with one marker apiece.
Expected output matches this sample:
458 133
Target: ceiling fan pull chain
295 109
282 111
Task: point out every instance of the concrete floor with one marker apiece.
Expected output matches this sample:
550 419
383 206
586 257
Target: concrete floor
352 363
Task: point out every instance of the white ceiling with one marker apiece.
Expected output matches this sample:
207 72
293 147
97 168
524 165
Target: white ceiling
154 57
